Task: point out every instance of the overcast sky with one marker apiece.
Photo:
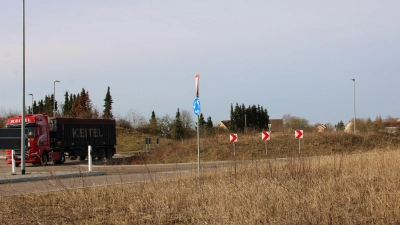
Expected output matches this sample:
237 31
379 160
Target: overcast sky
291 57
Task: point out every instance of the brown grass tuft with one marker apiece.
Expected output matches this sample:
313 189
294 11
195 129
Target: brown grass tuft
338 189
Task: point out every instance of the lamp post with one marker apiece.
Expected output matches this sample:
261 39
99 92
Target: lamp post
354 90
23 93
54 99
32 104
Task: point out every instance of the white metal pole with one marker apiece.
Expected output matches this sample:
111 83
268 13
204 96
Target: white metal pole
198 143
299 145
90 158
266 148
23 93
234 150
13 160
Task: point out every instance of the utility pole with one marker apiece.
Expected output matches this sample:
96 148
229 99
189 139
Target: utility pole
354 90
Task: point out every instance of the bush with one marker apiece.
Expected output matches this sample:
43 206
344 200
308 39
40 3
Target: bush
124 123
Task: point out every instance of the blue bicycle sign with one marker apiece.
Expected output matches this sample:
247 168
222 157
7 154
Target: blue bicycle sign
196 106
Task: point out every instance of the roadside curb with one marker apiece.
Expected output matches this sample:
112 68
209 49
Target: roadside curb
35 176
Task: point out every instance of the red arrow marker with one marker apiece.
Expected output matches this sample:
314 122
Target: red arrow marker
233 137
298 134
265 136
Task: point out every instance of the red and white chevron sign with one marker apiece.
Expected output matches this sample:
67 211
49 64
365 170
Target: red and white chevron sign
265 136
298 134
233 137
197 84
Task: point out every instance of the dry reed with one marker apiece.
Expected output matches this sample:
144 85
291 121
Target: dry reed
337 189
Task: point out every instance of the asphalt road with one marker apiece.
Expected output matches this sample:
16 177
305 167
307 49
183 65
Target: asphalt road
114 174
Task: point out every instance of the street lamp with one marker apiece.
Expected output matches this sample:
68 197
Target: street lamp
32 104
354 90
23 93
54 99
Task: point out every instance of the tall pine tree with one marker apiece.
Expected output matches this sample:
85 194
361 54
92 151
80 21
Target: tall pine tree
209 124
202 122
107 114
232 122
83 105
153 124
68 103
253 117
178 126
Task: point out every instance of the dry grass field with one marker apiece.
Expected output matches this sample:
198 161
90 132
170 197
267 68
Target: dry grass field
336 179
251 147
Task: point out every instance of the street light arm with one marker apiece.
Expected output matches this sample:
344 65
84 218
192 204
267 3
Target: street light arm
32 104
54 98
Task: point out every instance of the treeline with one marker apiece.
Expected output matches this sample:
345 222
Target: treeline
181 126
75 105
253 117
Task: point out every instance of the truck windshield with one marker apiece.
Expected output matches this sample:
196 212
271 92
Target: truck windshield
31 131
30 127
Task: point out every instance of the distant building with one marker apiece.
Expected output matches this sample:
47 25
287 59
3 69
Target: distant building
223 124
276 125
391 127
349 127
388 126
321 128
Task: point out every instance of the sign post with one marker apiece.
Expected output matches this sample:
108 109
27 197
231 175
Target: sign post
233 139
196 111
265 136
90 158
13 160
197 77
149 144
147 141
269 128
298 134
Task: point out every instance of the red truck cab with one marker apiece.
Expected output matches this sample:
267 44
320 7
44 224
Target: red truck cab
40 150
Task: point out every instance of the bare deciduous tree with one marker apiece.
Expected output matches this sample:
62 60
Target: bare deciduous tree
187 119
294 122
136 119
4 115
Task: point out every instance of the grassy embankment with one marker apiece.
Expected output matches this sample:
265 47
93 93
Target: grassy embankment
341 188
250 146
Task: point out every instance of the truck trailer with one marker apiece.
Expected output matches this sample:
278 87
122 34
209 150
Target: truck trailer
52 139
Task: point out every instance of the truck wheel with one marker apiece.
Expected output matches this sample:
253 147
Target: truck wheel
100 155
94 153
108 153
44 159
82 157
62 158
